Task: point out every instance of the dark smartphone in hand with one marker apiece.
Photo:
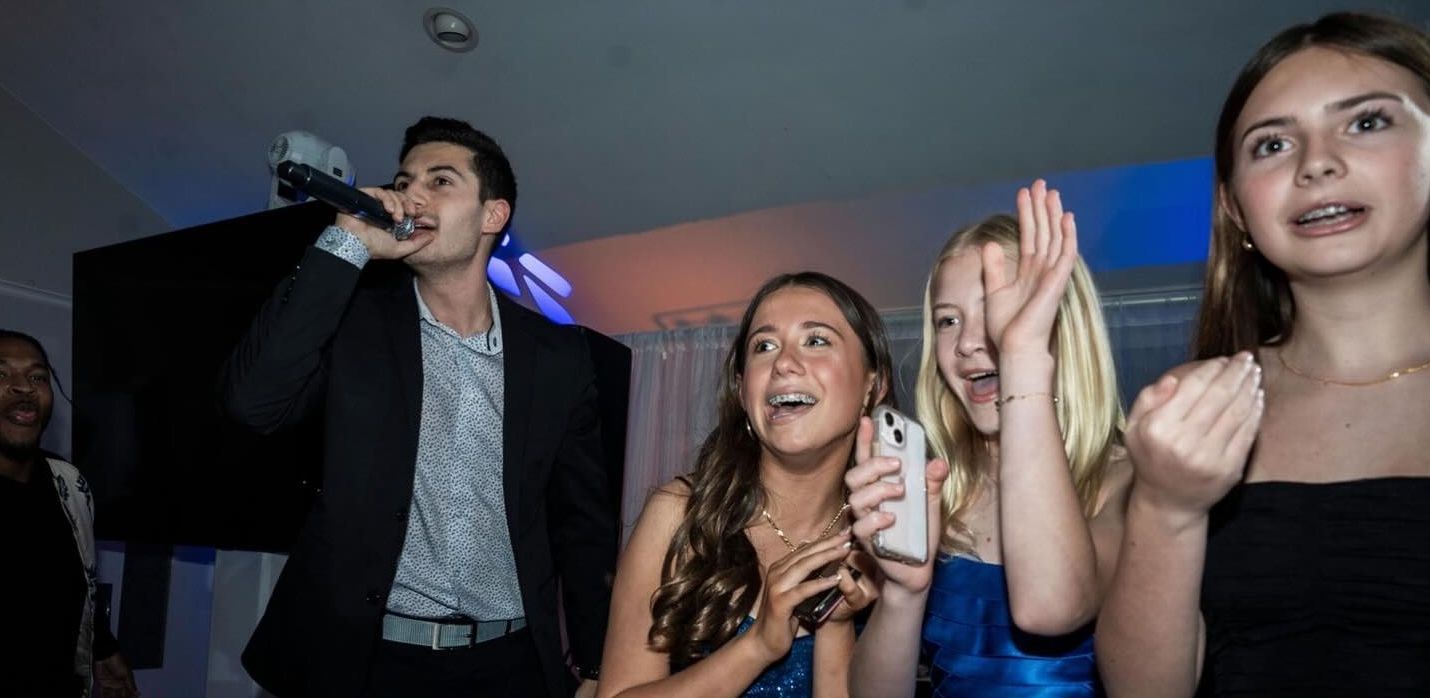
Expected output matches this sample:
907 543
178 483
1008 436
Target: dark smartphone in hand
816 609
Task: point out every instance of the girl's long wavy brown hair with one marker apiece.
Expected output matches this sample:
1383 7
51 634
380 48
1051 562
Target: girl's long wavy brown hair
711 575
1248 302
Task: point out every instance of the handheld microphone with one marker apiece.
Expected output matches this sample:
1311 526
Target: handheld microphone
349 200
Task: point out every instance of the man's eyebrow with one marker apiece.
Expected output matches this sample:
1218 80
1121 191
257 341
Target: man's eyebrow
431 170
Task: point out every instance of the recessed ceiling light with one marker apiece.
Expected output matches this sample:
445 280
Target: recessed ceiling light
450 29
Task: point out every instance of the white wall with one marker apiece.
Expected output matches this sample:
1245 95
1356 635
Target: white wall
57 202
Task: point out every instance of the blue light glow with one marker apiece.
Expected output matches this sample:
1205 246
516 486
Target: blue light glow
1141 215
500 273
549 307
511 259
548 275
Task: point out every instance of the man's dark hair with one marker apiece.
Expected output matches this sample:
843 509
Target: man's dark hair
490 163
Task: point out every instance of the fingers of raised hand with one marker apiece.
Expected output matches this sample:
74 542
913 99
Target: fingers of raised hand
1062 253
1069 235
1040 217
995 268
935 474
1236 427
1051 242
1150 398
1027 223
1239 445
867 486
865 528
1190 386
1223 395
1237 376
863 446
1047 233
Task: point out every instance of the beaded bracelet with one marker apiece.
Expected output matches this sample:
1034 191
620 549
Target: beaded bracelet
1004 400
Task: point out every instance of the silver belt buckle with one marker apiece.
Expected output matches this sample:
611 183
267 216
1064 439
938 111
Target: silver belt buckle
437 637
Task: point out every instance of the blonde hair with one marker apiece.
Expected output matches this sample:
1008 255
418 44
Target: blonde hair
1089 412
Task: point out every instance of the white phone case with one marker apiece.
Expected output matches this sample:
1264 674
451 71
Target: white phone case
907 540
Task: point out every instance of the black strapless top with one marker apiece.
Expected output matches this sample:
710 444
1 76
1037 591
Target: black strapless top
1319 589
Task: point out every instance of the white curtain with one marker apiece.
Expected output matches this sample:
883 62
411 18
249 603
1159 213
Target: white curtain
674 375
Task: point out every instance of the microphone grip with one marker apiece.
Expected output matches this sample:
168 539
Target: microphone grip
339 195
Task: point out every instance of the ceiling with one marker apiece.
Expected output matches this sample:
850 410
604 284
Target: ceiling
625 116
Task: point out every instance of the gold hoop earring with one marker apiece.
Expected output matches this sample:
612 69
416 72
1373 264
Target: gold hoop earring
1246 243
748 429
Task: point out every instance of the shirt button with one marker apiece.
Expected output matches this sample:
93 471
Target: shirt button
401 515
373 598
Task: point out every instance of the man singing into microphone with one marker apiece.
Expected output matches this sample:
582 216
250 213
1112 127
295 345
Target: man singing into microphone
463 477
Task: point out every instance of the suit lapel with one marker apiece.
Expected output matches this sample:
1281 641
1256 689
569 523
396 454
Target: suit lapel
405 339
518 371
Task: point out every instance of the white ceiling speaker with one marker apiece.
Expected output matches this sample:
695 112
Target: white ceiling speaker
450 29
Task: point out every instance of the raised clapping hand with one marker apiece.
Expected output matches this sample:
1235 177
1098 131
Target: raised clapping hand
379 242
1190 433
867 490
1020 310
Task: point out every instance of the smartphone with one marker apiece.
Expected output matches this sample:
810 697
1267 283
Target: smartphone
816 609
897 435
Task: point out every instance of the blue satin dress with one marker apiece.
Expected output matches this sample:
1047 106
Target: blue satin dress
973 649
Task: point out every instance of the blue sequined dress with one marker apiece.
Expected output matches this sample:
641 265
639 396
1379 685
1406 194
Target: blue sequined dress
789 677
973 649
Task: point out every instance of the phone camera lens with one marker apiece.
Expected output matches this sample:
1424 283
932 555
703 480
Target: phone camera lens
898 436
888 419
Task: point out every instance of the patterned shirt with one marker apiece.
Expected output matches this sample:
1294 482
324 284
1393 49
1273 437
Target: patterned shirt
457 558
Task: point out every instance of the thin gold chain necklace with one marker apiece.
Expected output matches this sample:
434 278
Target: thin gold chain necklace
822 534
1281 356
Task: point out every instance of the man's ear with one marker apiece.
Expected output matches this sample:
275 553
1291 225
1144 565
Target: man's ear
495 215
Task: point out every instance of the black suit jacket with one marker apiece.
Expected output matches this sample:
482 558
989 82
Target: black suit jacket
350 343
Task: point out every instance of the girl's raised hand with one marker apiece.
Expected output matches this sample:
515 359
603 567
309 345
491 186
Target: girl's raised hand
1020 309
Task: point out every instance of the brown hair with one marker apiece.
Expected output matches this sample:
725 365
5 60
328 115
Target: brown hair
711 575
1247 300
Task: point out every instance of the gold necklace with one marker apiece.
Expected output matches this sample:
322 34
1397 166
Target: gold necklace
1281 356
822 534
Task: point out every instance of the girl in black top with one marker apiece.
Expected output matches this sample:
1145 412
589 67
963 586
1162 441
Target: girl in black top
1301 567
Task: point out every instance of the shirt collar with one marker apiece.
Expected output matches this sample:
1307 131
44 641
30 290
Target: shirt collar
489 342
